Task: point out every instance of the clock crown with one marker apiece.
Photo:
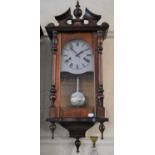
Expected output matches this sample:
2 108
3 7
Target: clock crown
68 23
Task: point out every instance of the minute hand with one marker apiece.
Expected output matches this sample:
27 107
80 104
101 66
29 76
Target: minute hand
73 51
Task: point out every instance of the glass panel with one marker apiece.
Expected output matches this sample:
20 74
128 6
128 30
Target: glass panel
69 88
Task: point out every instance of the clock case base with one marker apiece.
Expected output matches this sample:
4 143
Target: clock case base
77 127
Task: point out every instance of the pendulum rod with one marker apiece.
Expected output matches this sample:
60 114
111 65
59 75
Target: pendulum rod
77 84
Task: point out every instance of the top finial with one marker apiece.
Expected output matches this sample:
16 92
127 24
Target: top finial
77 11
77 2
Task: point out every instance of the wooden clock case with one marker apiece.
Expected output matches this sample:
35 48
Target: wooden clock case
76 120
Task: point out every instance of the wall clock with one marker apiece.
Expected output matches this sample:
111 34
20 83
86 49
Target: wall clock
76 87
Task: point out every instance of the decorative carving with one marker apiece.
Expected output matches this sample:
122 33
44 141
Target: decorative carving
75 129
52 95
100 41
91 17
77 144
54 42
105 27
52 128
63 18
101 128
100 95
77 11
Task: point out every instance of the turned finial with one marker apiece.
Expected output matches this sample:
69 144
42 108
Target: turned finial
77 11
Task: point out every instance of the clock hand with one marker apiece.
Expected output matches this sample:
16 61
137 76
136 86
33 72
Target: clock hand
82 52
73 50
79 53
87 60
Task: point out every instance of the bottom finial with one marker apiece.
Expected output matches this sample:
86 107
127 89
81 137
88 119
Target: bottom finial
52 128
77 144
101 128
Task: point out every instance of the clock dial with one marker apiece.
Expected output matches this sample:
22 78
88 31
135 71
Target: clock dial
77 57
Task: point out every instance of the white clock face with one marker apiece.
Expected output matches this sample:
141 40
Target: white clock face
77 57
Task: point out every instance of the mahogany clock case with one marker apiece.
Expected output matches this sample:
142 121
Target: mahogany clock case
77 119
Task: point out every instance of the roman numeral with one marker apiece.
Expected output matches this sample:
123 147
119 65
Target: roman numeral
67 60
77 43
83 65
87 60
77 66
71 64
65 55
86 49
71 46
82 45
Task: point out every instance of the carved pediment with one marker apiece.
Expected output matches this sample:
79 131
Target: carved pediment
67 19
63 18
76 22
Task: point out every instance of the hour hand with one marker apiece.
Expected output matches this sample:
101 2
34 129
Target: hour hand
79 53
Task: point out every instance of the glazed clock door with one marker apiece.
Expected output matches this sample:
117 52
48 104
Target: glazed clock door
77 76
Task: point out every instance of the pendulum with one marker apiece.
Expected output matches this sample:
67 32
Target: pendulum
77 98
